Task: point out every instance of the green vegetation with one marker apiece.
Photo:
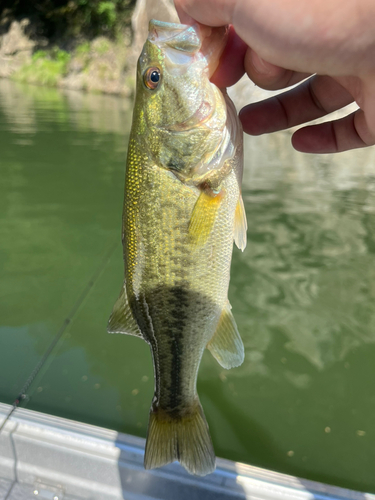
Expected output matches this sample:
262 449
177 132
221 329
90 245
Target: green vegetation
86 41
103 46
72 18
45 68
83 49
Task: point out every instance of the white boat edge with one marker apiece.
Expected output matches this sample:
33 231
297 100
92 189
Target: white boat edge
56 458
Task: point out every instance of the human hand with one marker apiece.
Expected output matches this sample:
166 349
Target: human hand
333 40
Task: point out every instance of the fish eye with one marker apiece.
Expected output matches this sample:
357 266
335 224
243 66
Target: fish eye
151 78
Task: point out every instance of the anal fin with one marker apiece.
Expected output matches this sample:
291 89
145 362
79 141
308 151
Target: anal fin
240 225
122 319
226 345
203 217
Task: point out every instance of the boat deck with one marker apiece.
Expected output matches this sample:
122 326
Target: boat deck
51 458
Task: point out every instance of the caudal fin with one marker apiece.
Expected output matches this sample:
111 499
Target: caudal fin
186 439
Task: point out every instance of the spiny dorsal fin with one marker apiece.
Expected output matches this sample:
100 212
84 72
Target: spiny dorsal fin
122 319
203 217
240 225
226 345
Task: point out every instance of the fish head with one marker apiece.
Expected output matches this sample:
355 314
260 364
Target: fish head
181 112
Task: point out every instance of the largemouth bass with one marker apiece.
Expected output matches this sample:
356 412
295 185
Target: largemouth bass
182 210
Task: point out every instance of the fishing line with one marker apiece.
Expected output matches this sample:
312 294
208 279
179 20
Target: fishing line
23 393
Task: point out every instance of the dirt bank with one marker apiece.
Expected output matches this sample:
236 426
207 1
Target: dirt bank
103 64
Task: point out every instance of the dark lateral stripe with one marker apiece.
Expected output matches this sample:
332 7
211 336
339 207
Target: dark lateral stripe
165 326
178 302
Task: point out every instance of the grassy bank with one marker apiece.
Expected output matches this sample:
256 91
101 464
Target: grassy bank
79 44
45 67
99 65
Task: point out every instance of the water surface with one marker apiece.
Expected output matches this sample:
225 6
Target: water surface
303 292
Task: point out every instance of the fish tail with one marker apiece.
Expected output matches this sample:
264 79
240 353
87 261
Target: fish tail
185 438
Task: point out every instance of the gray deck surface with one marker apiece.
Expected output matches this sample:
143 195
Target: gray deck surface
5 486
50 458
17 491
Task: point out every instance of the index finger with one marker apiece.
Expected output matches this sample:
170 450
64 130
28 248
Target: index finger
312 99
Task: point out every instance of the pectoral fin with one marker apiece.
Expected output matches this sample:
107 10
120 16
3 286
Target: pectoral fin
226 345
122 319
203 217
240 225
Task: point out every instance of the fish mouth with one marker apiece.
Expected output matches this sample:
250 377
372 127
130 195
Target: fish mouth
176 36
201 116
210 42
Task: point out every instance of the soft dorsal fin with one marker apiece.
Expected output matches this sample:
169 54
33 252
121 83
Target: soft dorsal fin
122 319
226 344
203 217
240 225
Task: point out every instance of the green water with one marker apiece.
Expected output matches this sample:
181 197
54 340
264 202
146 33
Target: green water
303 292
